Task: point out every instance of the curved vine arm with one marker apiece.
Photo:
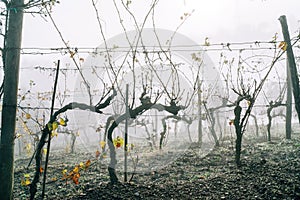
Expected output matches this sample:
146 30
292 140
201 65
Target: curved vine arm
46 131
146 104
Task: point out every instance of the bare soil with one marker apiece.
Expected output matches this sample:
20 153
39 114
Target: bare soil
270 170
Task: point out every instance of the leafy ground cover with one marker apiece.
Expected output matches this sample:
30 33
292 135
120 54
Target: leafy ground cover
269 171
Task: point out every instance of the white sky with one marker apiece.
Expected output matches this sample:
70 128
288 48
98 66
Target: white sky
219 20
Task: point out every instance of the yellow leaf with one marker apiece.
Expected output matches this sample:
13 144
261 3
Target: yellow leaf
26 175
76 169
81 164
75 178
28 148
27 116
282 45
87 164
62 122
64 171
54 133
248 103
118 142
54 125
25 182
102 144
44 151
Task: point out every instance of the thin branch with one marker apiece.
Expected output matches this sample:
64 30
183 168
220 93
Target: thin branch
87 85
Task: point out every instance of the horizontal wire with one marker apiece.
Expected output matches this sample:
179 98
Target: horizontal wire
176 48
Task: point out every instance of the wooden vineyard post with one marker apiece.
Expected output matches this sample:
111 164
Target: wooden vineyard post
11 62
289 100
291 63
49 136
199 114
126 135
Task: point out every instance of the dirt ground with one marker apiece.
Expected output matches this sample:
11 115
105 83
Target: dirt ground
270 170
